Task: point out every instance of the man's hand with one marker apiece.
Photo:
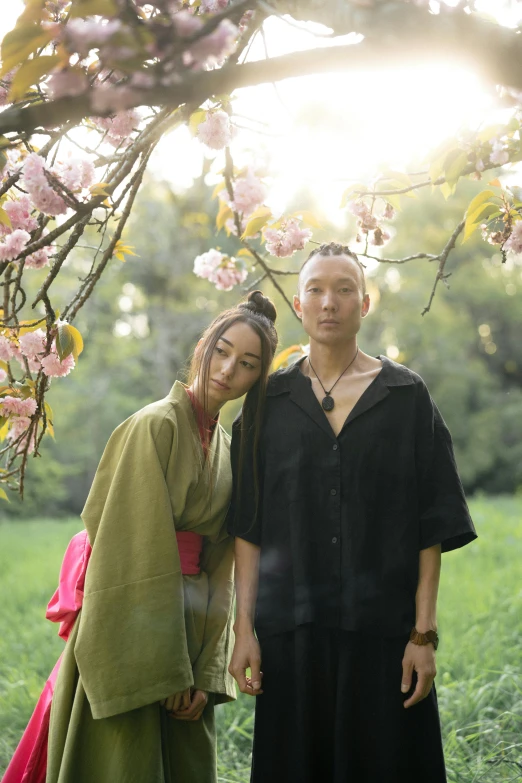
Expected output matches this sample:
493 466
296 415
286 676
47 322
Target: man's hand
419 658
194 711
177 701
247 655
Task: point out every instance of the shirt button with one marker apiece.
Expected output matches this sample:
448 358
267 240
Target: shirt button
333 492
335 447
334 540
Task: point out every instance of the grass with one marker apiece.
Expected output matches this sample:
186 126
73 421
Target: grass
480 616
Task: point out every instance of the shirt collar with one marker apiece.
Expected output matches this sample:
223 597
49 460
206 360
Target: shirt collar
392 374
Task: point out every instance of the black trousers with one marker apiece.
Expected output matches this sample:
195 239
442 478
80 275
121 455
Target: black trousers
332 712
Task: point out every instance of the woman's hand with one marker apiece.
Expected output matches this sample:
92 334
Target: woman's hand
177 701
194 711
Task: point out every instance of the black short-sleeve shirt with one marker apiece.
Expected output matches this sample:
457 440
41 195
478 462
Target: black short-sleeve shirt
340 520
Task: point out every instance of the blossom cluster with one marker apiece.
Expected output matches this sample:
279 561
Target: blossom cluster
368 223
222 270
216 131
173 40
31 350
284 241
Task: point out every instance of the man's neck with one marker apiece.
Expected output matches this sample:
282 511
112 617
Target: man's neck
329 361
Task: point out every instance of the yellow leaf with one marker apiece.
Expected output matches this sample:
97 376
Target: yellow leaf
282 359
29 73
224 214
98 189
196 118
496 183
64 341
351 193
245 252
479 199
4 218
121 250
93 8
4 429
20 43
30 326
77 340
308 218
3 495
256 221
219 187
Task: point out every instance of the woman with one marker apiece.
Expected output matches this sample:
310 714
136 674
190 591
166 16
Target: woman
147 656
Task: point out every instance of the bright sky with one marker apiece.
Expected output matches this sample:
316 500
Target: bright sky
326 131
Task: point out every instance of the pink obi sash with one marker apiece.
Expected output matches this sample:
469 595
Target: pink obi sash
29 763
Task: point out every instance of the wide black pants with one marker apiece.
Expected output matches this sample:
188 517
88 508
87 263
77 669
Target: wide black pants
332 712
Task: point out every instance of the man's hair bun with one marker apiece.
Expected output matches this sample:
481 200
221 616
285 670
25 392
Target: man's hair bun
257 302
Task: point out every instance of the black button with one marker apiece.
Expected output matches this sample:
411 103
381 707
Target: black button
334 540
333 492
335 447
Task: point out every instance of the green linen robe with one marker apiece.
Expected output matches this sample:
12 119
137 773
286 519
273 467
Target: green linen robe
145 631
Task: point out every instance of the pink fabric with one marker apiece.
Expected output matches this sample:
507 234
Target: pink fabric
189 547
29 763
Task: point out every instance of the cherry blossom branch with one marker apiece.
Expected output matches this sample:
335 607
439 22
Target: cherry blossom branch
442 263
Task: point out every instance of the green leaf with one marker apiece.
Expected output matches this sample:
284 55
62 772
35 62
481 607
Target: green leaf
396 179
20 43
487 210
447 190
455 163
31 72
395 201
3 495
256 221
64 341
93 8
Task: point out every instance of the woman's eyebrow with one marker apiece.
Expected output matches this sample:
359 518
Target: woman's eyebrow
255 356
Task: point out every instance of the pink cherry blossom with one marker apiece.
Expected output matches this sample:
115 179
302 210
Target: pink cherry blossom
19 212
206 263
186 23
17 427
283 242
14 406
39 258
119 128
7 349
228 275
216 131
14 244
219 269
82 35
32 343
514 243
54 368
499 155
214 48
212 6
389 212
66 83
379 237
40 192
249 193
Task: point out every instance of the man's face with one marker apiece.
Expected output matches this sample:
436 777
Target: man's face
330 301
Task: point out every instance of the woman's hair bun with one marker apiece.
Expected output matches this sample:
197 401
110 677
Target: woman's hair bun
257 302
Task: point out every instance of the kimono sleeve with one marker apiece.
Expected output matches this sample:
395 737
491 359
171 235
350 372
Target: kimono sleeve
211 667
244 513
444 515
131 647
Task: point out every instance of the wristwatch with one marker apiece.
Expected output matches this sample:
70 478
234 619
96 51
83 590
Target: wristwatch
430 637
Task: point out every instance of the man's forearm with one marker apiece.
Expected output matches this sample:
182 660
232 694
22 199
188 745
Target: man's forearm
247 578
427 589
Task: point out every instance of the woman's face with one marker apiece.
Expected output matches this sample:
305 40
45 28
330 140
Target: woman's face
235 365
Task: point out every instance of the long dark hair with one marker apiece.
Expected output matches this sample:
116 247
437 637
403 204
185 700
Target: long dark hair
259 312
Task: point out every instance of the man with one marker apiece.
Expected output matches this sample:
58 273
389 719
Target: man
340 517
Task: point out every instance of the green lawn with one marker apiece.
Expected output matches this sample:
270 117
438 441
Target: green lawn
480 618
